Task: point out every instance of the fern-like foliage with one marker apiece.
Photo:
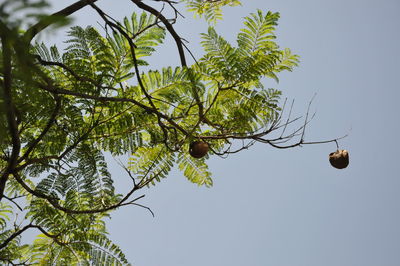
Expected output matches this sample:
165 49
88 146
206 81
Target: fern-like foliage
88 51
73 106
170 88
80 181
90 180
105 252
226 76
258 35
150 164
236 73
211 10
220 56
146 33
93 249
5 211
77 239
257 54
195 170
14 250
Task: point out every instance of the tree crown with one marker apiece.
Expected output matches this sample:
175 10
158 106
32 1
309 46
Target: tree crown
62 110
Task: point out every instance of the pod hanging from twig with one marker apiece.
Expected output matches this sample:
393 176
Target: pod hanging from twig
339 159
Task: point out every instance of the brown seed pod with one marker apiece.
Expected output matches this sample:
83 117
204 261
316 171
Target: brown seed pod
198 149
339 159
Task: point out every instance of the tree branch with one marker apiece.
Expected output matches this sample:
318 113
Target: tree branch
19 232
115 99
168 25
9 106
13 201
47 21
14 235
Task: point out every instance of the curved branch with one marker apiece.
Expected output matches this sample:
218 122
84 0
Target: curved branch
14 235
13 201
19 232
49 20
168 25
10 108
115 99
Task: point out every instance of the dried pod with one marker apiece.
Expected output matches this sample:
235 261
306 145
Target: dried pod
339 159
198 149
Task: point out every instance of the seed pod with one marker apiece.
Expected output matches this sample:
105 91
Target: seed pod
198 149
339 159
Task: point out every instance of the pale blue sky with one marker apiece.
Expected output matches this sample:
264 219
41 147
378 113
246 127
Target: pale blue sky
271 207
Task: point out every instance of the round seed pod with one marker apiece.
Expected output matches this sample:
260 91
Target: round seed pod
198 149
339 159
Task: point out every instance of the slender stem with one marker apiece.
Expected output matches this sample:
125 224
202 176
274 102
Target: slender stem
13 201
47 21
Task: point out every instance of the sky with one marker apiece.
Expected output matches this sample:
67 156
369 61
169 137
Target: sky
286 207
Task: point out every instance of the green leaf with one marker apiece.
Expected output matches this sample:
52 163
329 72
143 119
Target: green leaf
195 170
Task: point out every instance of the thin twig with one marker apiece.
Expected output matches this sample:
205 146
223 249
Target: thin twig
13 201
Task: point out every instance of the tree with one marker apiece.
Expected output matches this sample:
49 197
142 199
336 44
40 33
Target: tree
61 111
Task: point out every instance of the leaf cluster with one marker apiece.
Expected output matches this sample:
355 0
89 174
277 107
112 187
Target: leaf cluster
211 10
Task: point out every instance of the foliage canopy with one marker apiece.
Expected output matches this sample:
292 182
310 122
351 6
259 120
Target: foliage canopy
62 110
